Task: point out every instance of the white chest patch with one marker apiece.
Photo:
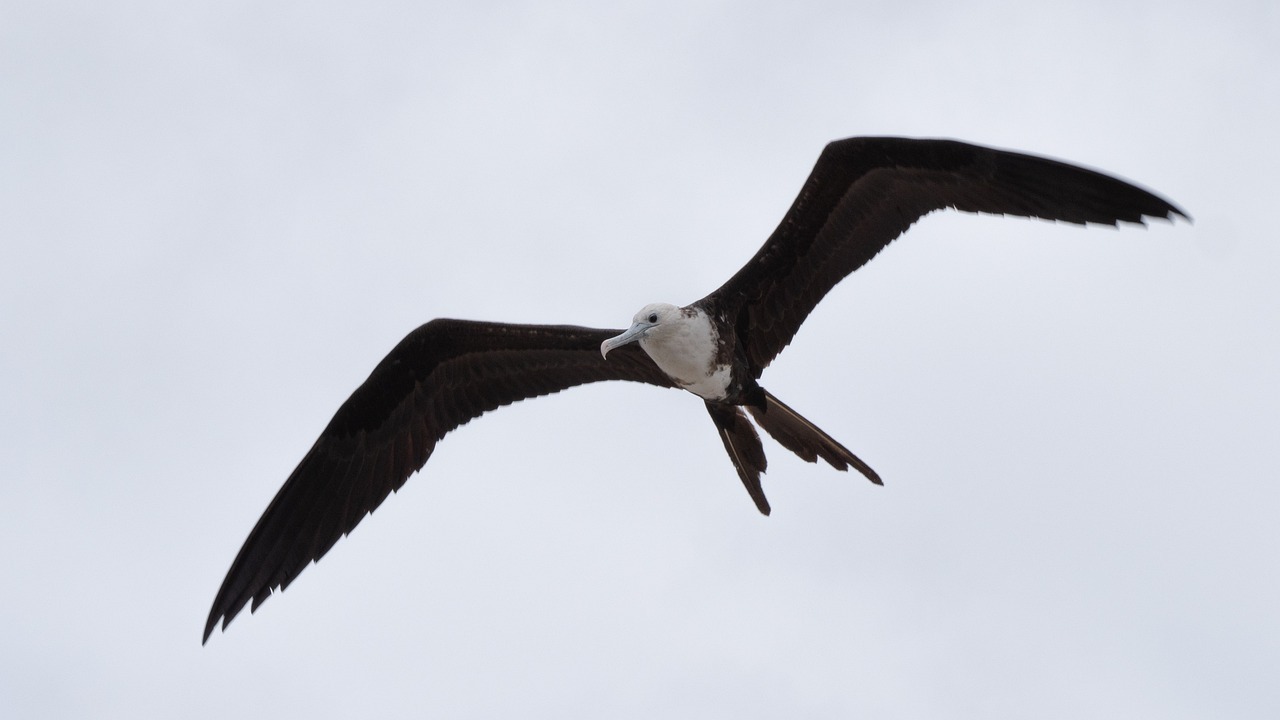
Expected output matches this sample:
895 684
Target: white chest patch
685 349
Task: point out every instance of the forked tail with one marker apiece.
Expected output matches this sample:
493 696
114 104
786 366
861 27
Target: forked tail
804 438
791 431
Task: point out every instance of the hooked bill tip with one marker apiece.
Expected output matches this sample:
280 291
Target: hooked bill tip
626 338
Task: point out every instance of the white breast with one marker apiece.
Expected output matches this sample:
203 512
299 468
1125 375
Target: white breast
685 348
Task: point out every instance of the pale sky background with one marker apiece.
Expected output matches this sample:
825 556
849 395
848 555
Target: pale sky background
215 219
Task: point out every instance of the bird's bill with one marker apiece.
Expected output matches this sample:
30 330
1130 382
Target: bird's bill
635 333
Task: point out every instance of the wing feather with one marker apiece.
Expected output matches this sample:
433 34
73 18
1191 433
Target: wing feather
440 376
864 192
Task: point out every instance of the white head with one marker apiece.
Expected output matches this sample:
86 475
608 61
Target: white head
652 322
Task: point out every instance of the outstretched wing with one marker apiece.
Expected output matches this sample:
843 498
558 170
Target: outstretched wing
864 192
440 376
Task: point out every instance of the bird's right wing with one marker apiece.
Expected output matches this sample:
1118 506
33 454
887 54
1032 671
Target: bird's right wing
440 376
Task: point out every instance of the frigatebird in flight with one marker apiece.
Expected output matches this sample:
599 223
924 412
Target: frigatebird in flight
862 193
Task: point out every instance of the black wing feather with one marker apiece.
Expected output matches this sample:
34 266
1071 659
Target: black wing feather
439 377
864 192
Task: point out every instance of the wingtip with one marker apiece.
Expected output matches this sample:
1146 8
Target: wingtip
870 474
1169 213
208 631
216 620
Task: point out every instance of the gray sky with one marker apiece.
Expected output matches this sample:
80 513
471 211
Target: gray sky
217 217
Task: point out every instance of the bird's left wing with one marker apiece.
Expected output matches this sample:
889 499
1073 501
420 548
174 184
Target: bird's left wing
440 376
864 192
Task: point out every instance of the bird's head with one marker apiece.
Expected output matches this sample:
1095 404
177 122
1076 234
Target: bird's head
651 321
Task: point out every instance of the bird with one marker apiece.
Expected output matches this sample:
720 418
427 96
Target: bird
862 193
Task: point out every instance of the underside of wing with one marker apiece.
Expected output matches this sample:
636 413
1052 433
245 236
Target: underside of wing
864 192
440 376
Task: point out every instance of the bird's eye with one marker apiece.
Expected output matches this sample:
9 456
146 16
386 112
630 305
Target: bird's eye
653 317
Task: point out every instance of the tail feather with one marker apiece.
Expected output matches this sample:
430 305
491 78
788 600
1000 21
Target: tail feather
744 448
805 439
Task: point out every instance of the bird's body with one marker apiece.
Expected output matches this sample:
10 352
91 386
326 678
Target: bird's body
862 193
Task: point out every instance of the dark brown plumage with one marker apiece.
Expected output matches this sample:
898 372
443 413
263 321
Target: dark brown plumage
862 193
439 377
865 192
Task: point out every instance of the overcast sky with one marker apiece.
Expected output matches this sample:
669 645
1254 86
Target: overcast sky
215 219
